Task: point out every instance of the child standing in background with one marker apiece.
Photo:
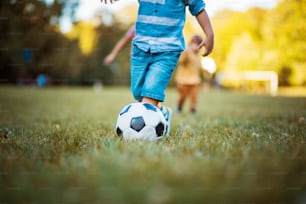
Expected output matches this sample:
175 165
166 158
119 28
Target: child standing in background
188 75
158 44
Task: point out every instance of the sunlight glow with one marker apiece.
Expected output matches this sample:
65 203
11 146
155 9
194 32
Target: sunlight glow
209 65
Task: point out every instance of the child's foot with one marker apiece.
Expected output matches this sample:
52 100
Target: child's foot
167 112
193 111
178 109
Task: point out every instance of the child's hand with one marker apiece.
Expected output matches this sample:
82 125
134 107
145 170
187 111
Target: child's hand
109 59
105 1
208 43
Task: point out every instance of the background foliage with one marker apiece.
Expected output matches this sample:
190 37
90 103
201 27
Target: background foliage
31 42
264 40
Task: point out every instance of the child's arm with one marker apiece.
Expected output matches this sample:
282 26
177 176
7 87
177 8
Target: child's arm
205 24
118 47
129 35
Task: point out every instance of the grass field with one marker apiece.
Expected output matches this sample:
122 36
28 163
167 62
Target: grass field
58 145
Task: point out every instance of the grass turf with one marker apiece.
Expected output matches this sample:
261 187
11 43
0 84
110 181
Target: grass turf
58 145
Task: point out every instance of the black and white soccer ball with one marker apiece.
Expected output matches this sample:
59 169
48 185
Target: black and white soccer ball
141 121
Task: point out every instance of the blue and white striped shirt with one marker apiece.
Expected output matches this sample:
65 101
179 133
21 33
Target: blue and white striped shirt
160 23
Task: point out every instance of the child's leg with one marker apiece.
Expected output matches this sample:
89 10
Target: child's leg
182 97
151 73
150 100
193 98
158 75
138 69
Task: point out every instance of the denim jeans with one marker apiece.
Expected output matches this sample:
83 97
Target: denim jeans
151 73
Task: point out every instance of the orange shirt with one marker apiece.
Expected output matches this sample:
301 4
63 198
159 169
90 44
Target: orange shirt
189 69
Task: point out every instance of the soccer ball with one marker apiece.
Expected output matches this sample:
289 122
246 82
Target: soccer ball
141 121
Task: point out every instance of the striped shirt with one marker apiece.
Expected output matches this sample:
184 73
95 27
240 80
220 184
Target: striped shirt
160 23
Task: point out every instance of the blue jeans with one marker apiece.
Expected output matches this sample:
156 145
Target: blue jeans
151 73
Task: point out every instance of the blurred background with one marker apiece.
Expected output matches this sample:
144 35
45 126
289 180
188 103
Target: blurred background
259 45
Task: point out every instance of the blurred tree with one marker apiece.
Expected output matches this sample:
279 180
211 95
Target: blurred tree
228 25
86 34
236 59
284 76
96 40
264 40
31 42
29 37
287 39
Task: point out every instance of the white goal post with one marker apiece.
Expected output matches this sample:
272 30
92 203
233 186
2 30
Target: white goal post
240 76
